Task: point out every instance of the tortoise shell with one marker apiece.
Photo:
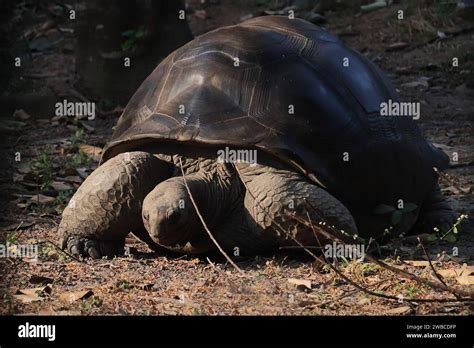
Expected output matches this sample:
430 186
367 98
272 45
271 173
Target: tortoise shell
288 88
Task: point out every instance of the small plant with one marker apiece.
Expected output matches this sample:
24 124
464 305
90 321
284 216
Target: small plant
76 139
368 268
449 235
43 164
412 291
123 284
44 160
47 250
397 214
96 301
89 304
132 38
79 159
12 238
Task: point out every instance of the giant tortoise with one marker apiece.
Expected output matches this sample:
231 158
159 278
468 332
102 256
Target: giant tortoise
295 100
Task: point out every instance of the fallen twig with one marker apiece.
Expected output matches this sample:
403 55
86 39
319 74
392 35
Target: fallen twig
225 275
438 276
450 181
204 223
63 251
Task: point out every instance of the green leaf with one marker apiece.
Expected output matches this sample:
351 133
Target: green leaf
396 217
127 45
140 33
455 230
12 124
451 238
408 207
128 33
432 238
383 209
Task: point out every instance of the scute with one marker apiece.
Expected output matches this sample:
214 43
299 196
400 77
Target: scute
233 87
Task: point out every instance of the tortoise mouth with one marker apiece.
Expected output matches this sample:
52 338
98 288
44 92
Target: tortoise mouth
170 228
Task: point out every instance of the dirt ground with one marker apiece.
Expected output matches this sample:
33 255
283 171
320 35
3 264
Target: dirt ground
57 154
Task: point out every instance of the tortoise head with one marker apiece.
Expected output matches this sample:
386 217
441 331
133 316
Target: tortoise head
168 214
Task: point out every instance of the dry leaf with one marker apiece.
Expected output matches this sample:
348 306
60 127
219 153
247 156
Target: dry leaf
53 312
18 177
33 294
466 280
397 46
146 286
75 295
451 189
400 310
416 263
201 14
319 263
42 199
19 226
61 186
26 298
87 127
300 283
21 115
457 272
92 152
449 273
364 301
422 81
463 275
73 179
444 147
36 279
82 172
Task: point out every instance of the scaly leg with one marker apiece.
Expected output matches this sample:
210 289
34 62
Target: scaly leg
107 206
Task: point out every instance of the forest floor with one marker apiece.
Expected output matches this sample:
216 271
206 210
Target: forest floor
57 154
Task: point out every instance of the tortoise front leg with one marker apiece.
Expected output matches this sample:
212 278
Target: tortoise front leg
107 206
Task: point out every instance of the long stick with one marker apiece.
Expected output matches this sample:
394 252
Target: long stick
204 223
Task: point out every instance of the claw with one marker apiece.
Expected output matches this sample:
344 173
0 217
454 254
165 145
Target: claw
94 253
95 249
75 250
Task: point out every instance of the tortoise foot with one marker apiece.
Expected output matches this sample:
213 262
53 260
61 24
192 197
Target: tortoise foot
83 246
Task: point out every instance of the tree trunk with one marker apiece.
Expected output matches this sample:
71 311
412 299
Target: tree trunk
113 33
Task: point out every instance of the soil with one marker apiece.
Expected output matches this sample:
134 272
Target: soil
58 153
